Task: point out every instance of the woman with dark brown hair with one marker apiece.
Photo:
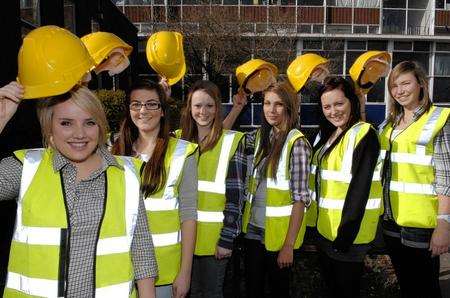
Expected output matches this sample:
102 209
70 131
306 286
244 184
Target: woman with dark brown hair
221 176
346 192
278 193
169 184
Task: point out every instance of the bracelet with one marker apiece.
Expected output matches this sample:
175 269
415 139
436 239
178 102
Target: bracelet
445 217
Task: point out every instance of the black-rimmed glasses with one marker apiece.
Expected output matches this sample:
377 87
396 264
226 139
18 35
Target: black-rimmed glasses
149 105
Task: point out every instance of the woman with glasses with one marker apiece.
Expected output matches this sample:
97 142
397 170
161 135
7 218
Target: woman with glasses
415 143
346 191
221 175
169 184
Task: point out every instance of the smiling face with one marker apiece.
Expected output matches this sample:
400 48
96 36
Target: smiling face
274 110
406 90
203 108
336 108
74 132
146 120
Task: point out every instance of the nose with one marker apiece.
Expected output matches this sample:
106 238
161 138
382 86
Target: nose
79 132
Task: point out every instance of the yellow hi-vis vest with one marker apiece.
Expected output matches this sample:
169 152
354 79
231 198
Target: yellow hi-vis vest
413 198
212 172
38 260
278 200
335 175
163 214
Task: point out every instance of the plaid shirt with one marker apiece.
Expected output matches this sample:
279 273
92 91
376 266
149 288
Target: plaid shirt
418 237
85 201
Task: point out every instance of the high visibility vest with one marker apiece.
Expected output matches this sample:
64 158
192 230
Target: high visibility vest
335 175
39 255
163 214
212 172
413 198
279 201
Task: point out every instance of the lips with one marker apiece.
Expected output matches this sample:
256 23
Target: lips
78 145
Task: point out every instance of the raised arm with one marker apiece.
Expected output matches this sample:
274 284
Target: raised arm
239 102
10 96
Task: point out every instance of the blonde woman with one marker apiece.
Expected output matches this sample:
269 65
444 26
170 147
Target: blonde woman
79 213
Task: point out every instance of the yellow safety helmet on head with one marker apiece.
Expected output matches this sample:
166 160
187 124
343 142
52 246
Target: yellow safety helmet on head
100 44
165 55
256 75
52 61
301 69
369 68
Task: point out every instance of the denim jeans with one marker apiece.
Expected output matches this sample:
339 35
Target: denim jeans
208 275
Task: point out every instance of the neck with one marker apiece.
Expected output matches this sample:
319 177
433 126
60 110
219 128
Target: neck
146 141
408 111
88 166
203 131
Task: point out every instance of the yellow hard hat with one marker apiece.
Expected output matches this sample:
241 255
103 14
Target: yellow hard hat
165 55
51 62
100 44
265 71
369 68
300 70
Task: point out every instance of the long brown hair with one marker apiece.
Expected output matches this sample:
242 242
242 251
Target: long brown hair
413 67
188 124
272 148
154 174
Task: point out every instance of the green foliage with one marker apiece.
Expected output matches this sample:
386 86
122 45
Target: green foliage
115 106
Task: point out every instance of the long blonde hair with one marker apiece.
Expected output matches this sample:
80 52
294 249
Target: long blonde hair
394 108
188 124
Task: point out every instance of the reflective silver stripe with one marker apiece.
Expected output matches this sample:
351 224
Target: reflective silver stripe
281 211
413 188
32 286
30 165
152 204
117 290
346 167
338 204
218 185
165 239
210 216
176 167
282 182
427 131
113 245
317 139
132 194
410 158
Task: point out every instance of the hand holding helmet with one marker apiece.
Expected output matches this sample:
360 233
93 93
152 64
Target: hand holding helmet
256 75
306 67
369 68
109 52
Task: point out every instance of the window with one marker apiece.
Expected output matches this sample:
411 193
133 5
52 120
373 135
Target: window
311 2
394 21
402 45
421 58
312 44
441 89
442 46
356 45
417 4
376 94
379 45
422 46
394 3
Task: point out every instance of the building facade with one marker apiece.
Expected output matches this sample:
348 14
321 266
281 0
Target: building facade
338 29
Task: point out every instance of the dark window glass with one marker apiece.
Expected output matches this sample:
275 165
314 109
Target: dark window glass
312 44
311 2
443 46
356 45
402 46
394 3
376 94
379 45
442 64
422 46
441 90
421 58
394 21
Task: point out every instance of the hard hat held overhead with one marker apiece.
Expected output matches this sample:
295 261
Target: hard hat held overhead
165 55
109 51
256 75
307 66
52 61
369 68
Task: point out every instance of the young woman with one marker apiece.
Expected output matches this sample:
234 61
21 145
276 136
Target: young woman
79 208
346 192
221 175
169 184
273 214
415 139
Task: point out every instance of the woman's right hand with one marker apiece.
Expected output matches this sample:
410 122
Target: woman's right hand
10 96
239 99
